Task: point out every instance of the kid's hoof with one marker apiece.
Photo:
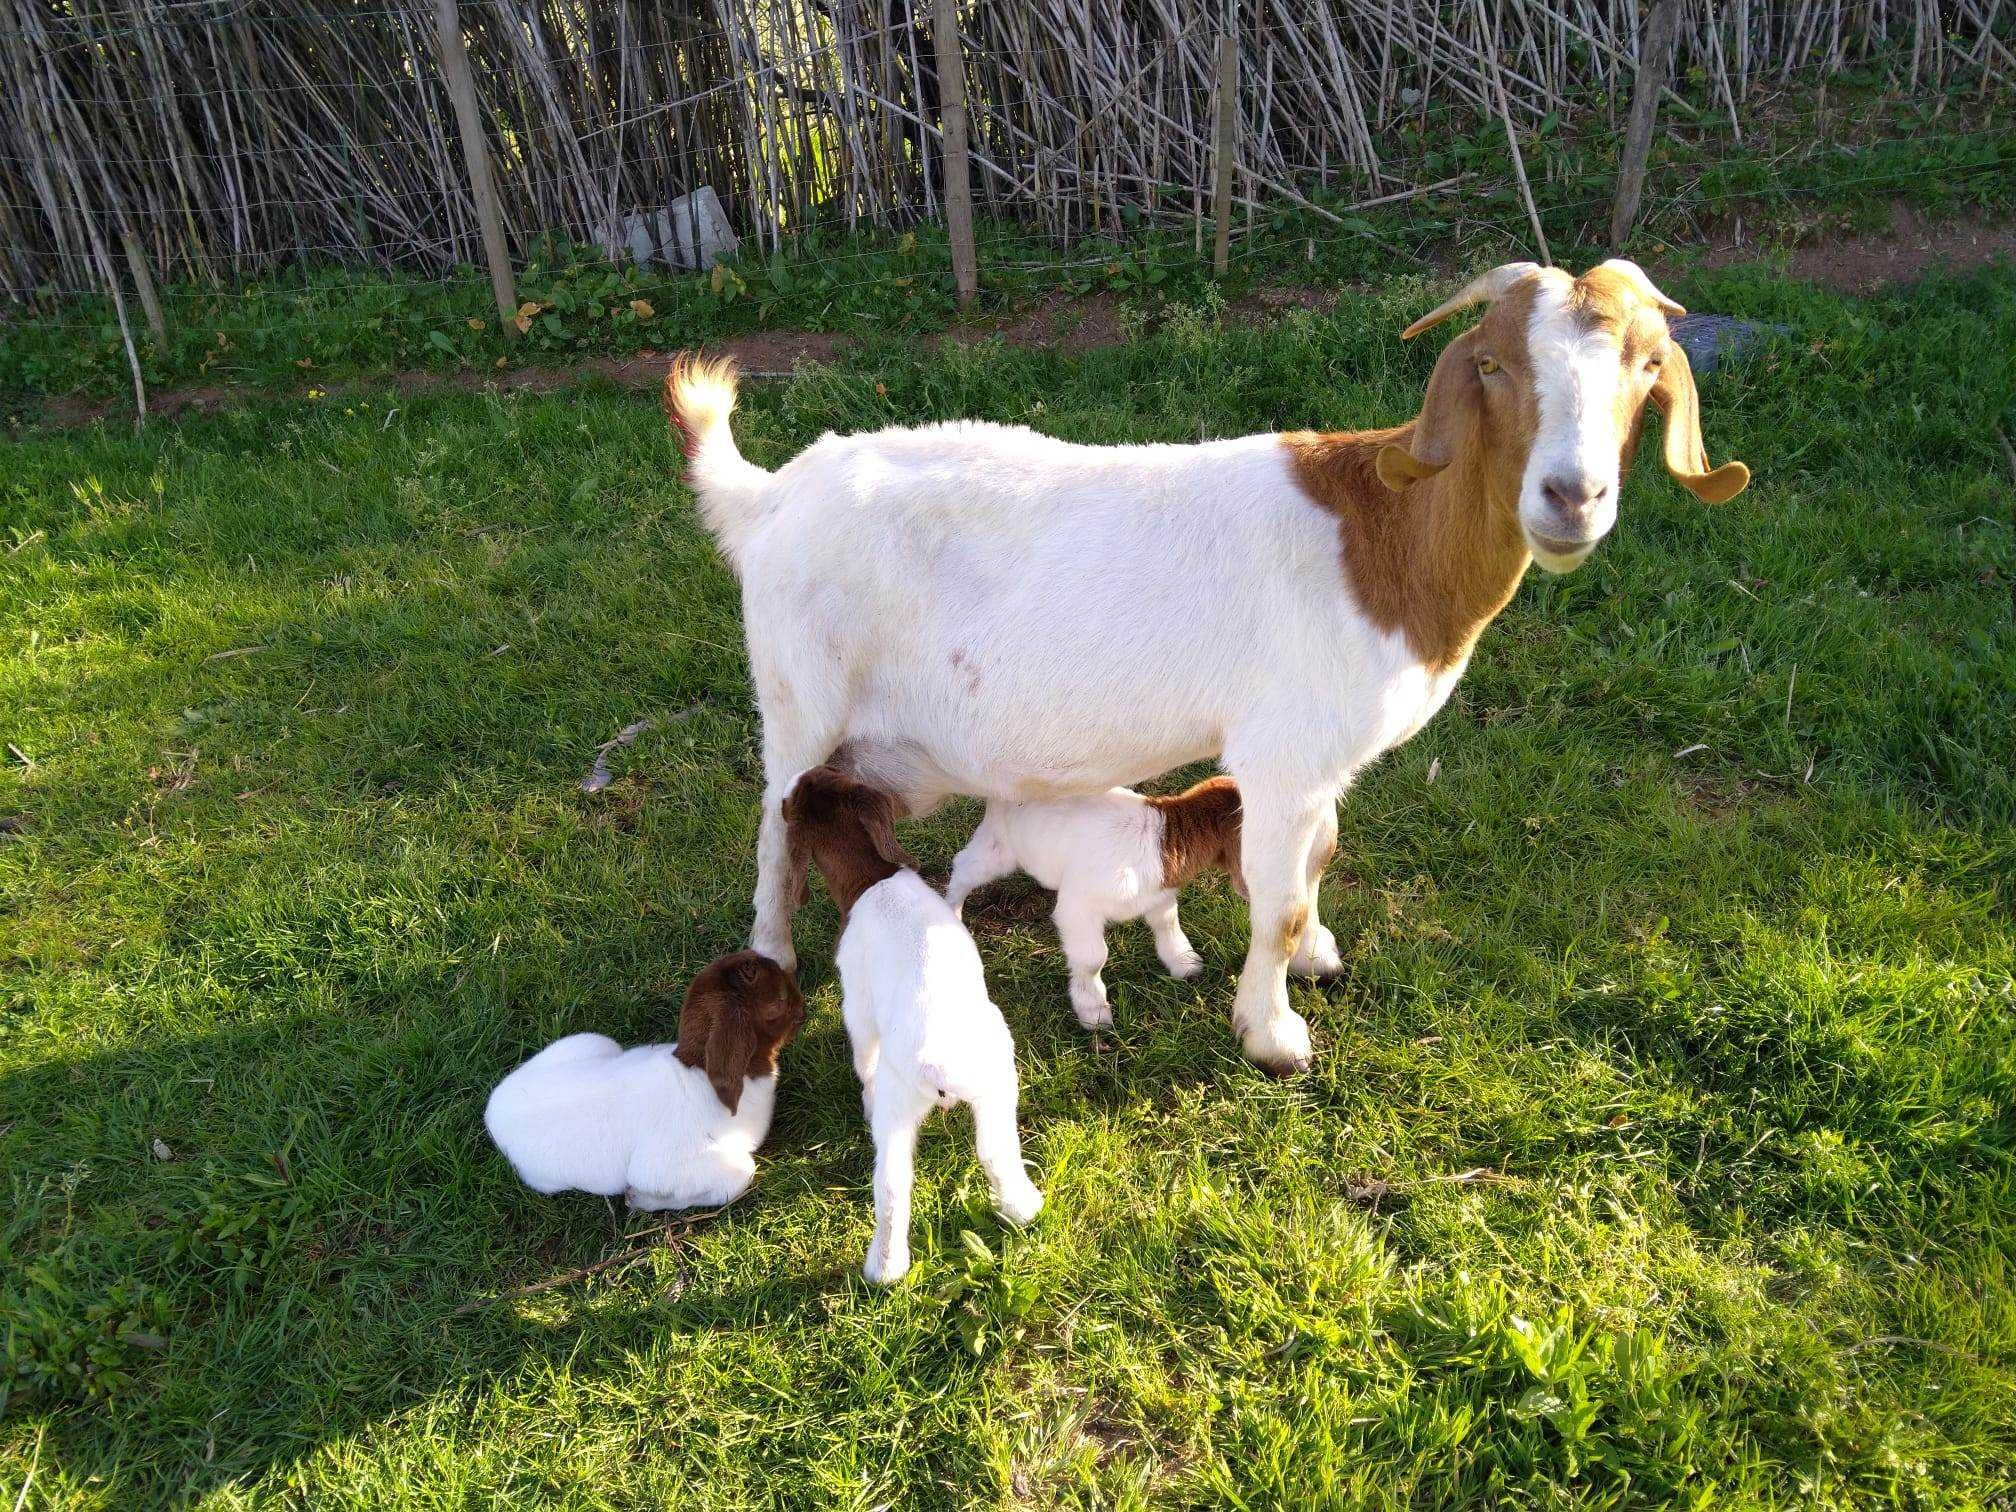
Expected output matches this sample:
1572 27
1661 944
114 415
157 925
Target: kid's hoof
1186 967
1020 1207
887 1268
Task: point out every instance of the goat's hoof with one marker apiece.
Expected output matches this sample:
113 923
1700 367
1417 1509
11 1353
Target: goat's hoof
1280 1046
1094 1015
886 1269
1318 959
1186 967
1020 1207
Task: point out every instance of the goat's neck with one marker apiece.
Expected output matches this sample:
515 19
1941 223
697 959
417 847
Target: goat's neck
852 873
1435 562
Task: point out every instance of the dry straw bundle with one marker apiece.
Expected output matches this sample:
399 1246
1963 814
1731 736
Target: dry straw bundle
215 139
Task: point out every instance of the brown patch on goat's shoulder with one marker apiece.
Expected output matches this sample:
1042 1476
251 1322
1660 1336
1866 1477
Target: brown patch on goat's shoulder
1200 829
1429 564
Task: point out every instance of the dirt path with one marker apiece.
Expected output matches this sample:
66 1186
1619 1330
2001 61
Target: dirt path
1859 263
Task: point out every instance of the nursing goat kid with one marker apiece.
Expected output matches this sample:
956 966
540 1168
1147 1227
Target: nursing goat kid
1110 857
979 609
924 1032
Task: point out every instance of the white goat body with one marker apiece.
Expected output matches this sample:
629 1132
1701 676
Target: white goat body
1106 860
925 1036
584 1114
978 609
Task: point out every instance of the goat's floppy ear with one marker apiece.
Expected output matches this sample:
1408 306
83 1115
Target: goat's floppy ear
1686 456
731 1047
1438 427
878 817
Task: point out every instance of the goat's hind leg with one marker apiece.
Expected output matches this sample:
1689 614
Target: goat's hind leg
895 1120
1318 955
1000 1150
791 744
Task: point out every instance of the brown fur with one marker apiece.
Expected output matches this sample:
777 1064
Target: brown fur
740 1012
1200 830
847 829
1292 924
1427 513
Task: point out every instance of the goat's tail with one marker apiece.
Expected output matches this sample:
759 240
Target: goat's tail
733 492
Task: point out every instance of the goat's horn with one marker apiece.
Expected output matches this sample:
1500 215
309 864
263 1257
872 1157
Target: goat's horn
1625 268
1482 289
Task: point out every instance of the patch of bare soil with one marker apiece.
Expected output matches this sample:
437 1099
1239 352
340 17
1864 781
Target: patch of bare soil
1863 262
1003 906
760 354
1057 321
1271 303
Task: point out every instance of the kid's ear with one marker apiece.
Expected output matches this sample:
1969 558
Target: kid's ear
878 817
731 1046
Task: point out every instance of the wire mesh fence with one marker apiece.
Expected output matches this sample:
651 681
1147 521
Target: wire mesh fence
212 141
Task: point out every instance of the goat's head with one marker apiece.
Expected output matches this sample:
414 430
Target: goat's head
846 827
1549 391
740 1012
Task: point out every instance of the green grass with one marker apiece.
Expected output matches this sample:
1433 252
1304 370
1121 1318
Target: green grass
301 867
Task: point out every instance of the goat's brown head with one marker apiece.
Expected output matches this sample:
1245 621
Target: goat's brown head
1548 392
847 828
740 1012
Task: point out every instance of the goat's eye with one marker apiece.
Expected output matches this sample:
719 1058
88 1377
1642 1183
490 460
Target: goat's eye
1653 363
1487 365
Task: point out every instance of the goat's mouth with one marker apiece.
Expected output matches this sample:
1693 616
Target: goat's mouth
1557 555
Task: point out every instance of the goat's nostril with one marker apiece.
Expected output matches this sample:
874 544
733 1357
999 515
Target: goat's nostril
1573 495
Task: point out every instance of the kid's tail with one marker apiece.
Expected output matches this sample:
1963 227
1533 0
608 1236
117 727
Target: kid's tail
733 493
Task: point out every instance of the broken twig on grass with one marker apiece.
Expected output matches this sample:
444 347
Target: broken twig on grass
599 775
664 1236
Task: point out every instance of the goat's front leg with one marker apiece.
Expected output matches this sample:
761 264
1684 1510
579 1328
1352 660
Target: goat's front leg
1000 1150
896 1119
1280 825
1179 957
780 881
985 859
1082 931
1318 956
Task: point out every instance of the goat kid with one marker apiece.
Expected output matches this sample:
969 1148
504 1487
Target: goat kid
924 1032
667 1126
980 609
1109 858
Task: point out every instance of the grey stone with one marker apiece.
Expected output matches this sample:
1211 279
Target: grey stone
1707 339
691 233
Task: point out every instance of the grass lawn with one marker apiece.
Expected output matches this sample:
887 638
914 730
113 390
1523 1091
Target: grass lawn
1688 923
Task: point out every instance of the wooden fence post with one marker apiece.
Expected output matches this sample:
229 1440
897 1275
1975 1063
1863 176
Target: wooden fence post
143 278
1655 56
955 159
489 215
1225 146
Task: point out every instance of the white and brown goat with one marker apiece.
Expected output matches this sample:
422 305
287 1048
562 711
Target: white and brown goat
978 609
1110 857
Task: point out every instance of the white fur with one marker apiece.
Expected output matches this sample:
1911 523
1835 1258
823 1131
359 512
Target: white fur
979 609
1102 856
925 1036
585 1114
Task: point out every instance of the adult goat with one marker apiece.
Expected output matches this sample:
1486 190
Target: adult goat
973 608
